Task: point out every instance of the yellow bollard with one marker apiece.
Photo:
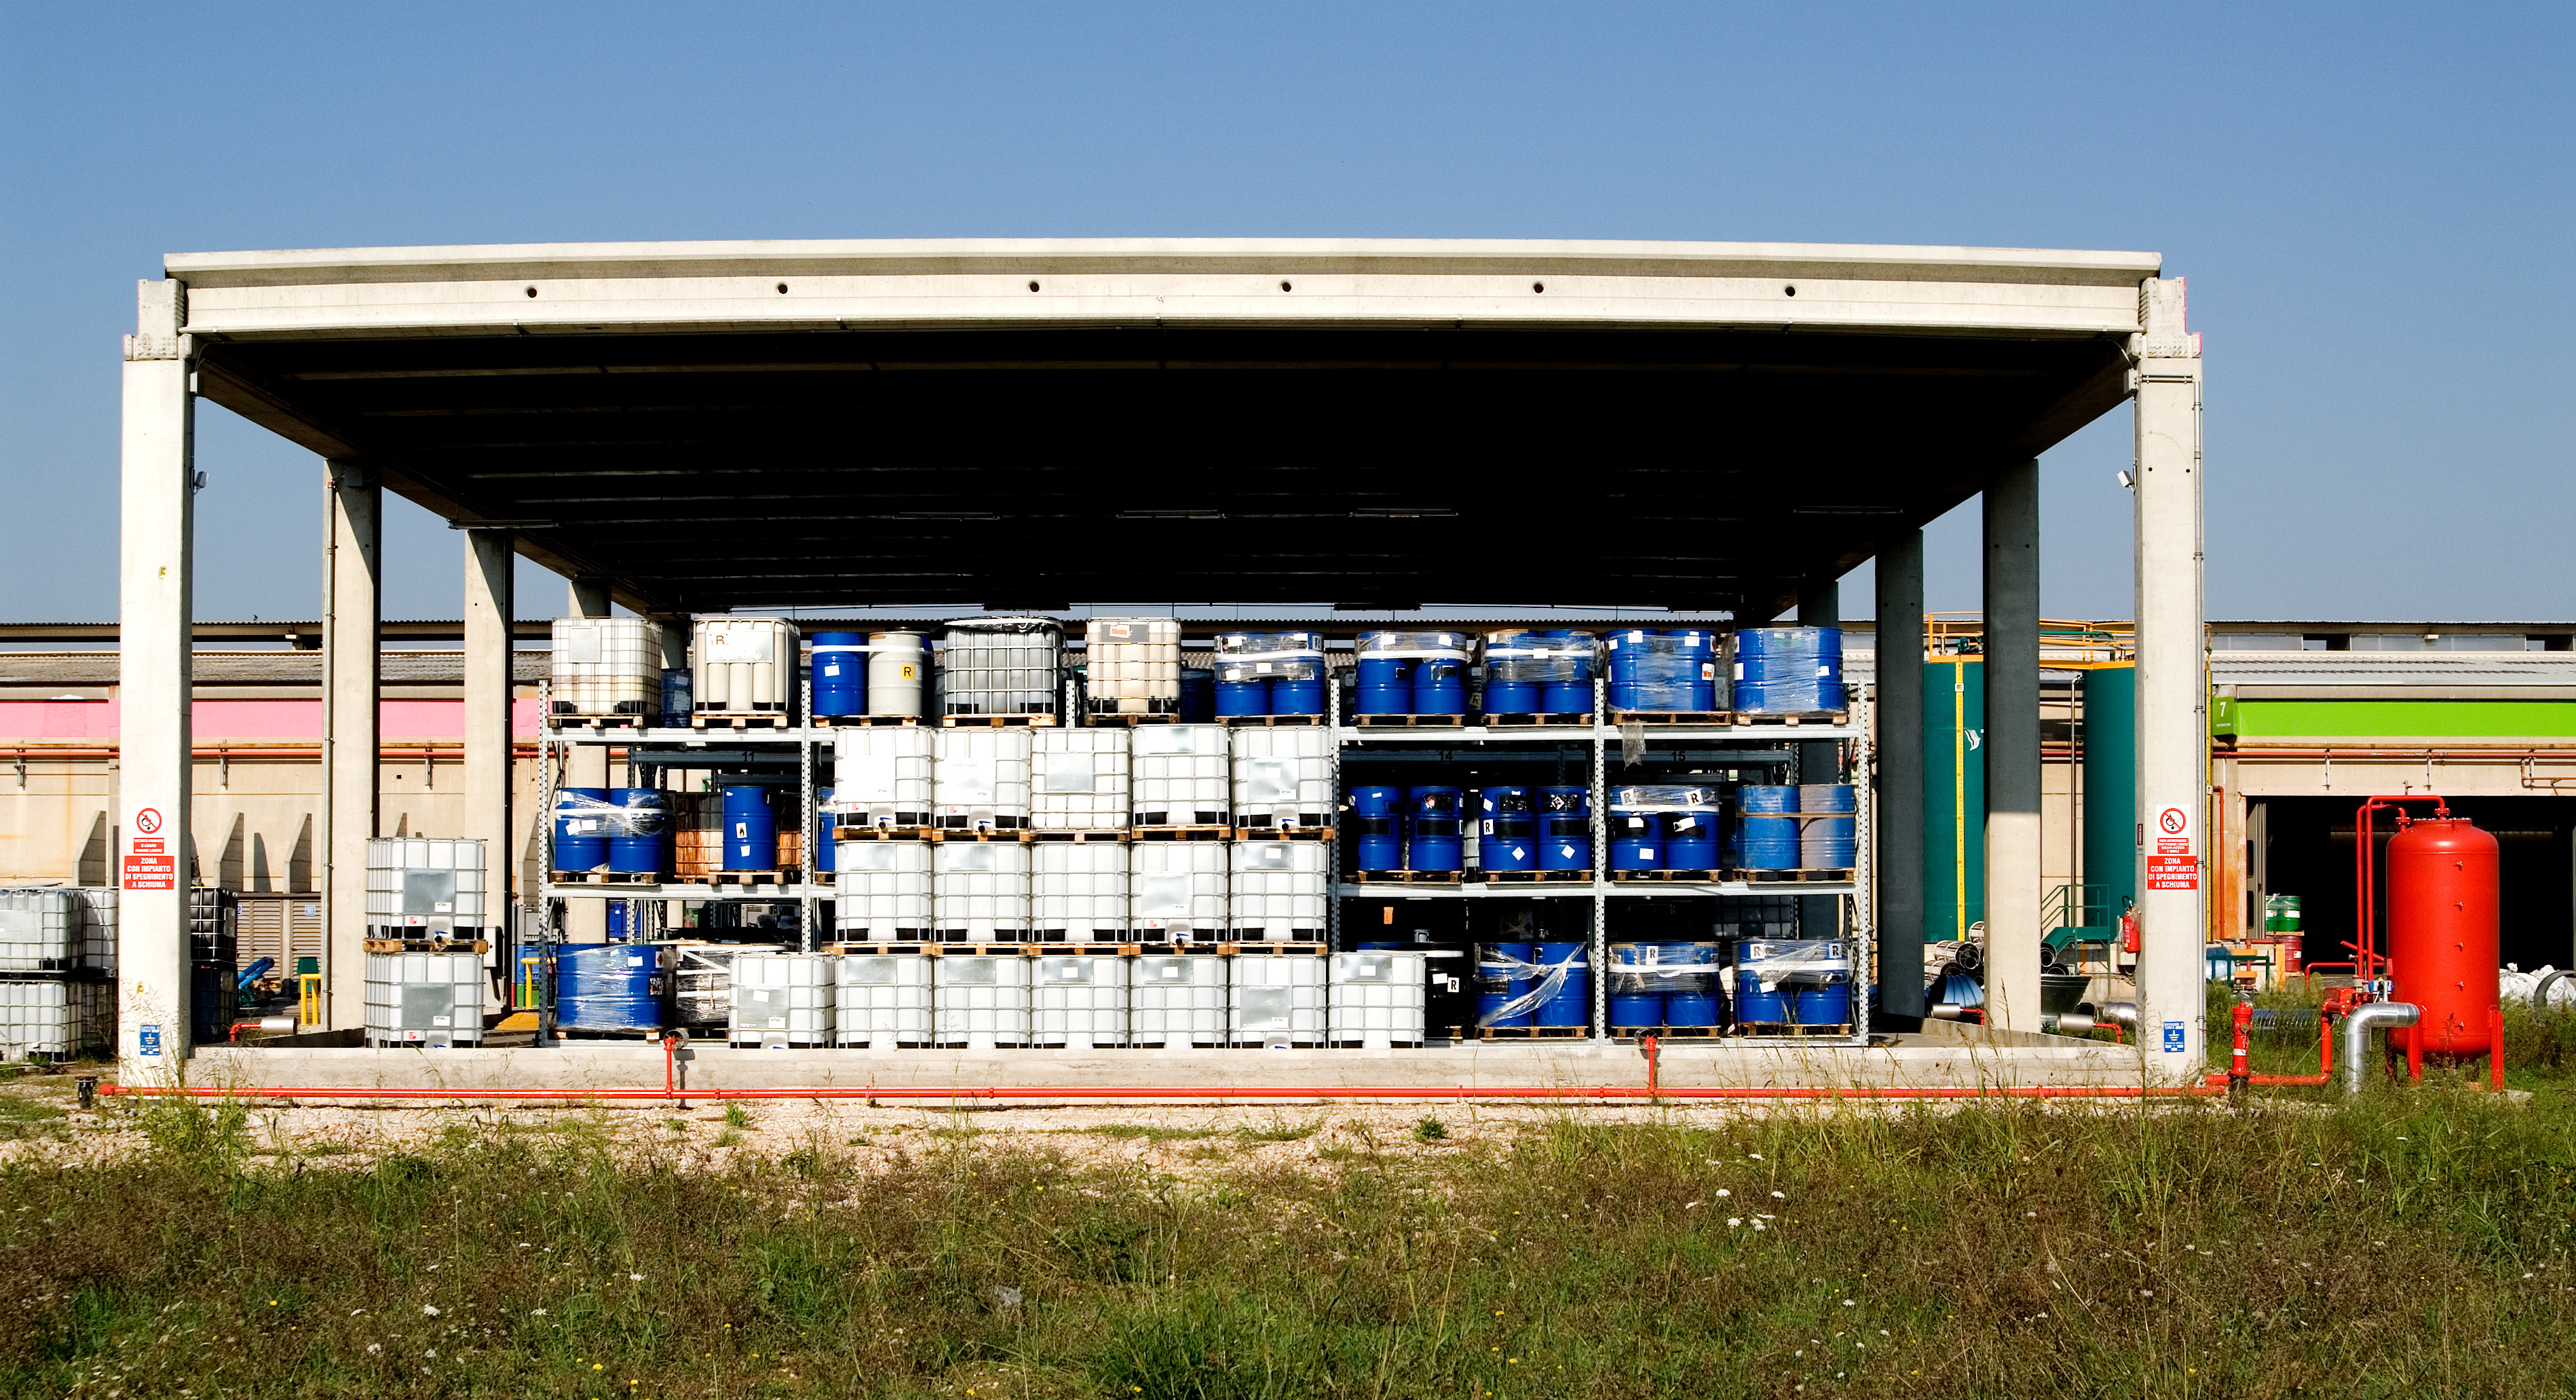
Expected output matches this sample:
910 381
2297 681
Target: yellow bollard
308 999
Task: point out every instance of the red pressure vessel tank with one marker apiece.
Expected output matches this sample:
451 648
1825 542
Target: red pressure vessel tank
2442 931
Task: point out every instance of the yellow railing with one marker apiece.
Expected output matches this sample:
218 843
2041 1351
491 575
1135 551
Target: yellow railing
2064 644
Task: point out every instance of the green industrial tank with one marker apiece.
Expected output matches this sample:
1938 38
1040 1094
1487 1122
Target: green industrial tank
2108 734
1954 796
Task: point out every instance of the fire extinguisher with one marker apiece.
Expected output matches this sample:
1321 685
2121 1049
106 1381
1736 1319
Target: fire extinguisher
2129 931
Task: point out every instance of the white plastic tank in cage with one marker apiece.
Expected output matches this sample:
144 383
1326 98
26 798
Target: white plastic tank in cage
982 1001
1377 999
881 777
979 892
607 667
98 927
784 1001
1177 999
980 780
1283 778
1179 775
425 1000
421 887
1078 779
884 1000
1278 891
1078 1001
1176 890
40 930
1000 666
744 666
881 891
1078 892
1275 999
1132 665
54 1019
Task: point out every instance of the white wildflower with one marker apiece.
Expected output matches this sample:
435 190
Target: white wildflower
1734 1220
1723 1193
428 1310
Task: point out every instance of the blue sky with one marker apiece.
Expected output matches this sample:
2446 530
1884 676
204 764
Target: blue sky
2372 205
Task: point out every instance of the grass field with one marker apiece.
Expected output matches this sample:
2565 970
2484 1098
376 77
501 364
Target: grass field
2415 1244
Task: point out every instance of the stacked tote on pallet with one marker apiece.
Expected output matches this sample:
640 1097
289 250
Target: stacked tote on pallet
881 778
1663 987
214 962
1279 891
1788 670
1079 779
55 1018
55 999
1078 891
980 780
981 1002
1178 776
744 667
1276 999
1133 665
1283 779
979 891
1377 999
784 1001
1663 827
1412 673
612 988
1269 673
1663 672
881 893
1538 673
1177 1000
1793 982
885 1001
420 888
1177 890
607 667
1078 1002
425 1000
1004 666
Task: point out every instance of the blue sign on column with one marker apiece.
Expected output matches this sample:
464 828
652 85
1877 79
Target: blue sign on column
148 1040
2173 1038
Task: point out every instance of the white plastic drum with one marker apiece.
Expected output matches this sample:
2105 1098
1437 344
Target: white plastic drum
1176 890
1276 999
1278 892
1283 777
898 663
1078 892
979 892
884 1000
1078 1001
1178 1000
784 1001
980 781
881 891
1180 775
983 1001
1377 999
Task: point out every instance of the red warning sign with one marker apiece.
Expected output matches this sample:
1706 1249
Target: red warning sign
150 872
2170 872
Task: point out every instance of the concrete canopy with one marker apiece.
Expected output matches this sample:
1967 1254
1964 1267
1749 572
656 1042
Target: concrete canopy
1024 423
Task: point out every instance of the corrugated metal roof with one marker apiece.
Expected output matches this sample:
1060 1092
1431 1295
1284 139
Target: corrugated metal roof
2383 668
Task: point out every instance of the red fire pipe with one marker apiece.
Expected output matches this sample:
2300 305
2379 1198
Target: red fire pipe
2325 1060
1236 1091
2365 856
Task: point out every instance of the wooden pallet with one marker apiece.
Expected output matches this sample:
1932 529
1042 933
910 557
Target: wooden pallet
1065 950
1676 717
427 945
997 721
1167 950
1297 950
1049 837
607 877
1581 721
602 721
1283 833
751 879
1667 1032
727 719
994 948
910 946
1532 1032
1791 1030
1183 833
1408 877
1792 877
1269 721
647 1033
882 833
865 721
944 833
1792 720
1408 721
1532 877
1666 877
1114 719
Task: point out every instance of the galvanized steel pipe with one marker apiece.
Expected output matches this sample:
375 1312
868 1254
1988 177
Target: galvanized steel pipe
2357 1026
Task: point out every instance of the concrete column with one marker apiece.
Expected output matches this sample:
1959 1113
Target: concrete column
2012 748
351 614
1820 915
489 611
1900 774
2173 688
154 581
585 765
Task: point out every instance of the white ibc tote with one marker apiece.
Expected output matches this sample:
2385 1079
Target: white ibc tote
784 1000
54 1019
1132 665
1177 1000
1377 999
1078 780
425 1000
979 891
1078 1001
884 1000
980 779
1000 666
40 930
1283 777
607 666
881 777
744 665
1278 891
1176 890
425 887
1275 999
982 1001
1078 892
1179 775
881 891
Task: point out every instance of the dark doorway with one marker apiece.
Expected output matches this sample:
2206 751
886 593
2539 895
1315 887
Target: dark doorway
2308 853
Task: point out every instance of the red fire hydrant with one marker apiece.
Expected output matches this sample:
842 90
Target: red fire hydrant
2237 1074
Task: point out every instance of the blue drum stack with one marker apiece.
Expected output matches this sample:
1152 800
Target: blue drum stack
1270 673
1663 671
1538 673
1788 670
1412 673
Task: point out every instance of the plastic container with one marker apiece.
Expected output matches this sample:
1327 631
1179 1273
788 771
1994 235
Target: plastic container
1377 820
1503 976
1078 890
882 1001
1276 999
1433 829
750 829
1825 826
839 666
1538 672
1180 775
1177 890
1078 779
979 891
1788 670
610 986
1636 840
1662 671
744 666
1656 985
1198 695
1766 823
1507 836
881 893
1283 778
1269 673
981 779
1422 673
1564 827
898 665
582 820
1177 999
1078 1002
881 777
639 841
422 887
1133 665
982 1001
606 666
1376 999
1001 666
784 1001
1277 891
1562 985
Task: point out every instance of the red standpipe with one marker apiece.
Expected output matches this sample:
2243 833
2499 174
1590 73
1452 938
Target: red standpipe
1193 1093
2365 854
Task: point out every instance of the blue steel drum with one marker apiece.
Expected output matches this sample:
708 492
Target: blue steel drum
1758 1007
1570 691
826 857
1569 1002
1663 984
1434 829
1509 839
1663 670
1826 842
1512 697
617 927
1198 695
582 821
1385 684
1636 840
1440 686
840 671
1766 827
1242 698
1289 696
1376 826
1690 840
609 986
750 830
1502 977
1788 670
640 830
1564 827
1824 1006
